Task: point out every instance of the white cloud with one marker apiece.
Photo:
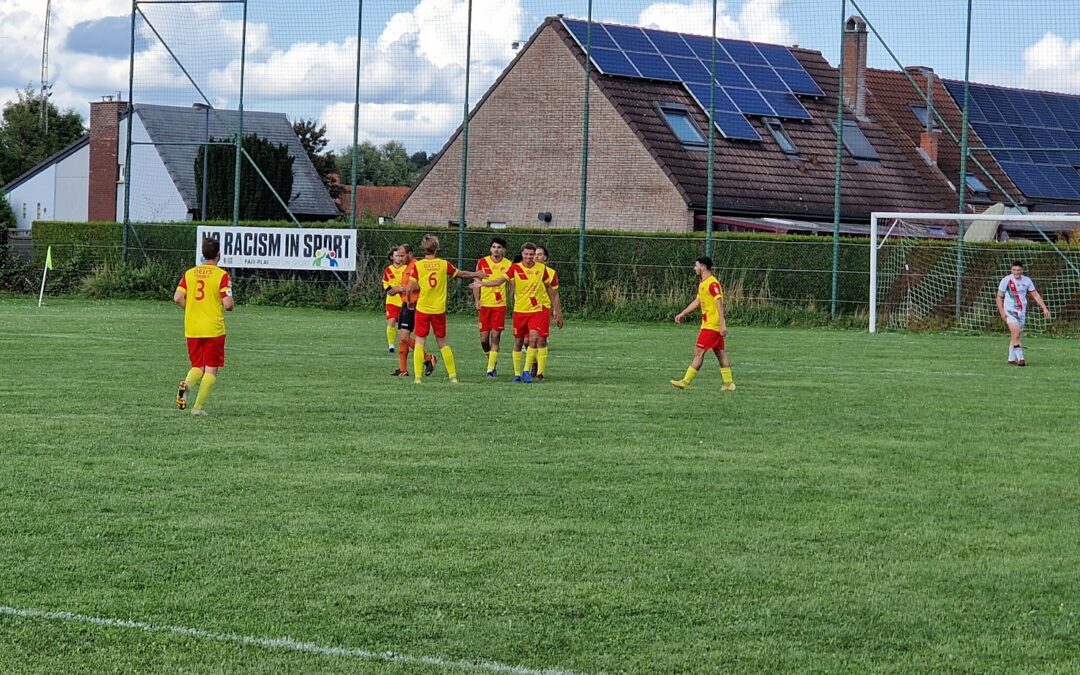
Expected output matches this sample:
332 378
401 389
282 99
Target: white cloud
1053 63
419 126
757 20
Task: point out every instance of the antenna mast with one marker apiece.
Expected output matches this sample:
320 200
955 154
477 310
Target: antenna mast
45 69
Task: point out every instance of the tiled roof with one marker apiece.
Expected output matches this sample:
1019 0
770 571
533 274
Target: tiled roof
894 95
377 199
173 124
757 177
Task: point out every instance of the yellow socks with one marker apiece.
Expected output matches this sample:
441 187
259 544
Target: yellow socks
518 358
493 360
725 375
541 360
418 361
193 377
391 334
530 358
448 362
205 387
691 373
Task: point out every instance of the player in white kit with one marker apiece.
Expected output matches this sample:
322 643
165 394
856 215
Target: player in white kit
1012 305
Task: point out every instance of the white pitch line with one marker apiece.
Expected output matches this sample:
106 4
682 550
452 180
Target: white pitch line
283 643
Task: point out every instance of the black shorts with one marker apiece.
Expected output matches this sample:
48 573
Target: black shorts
407 318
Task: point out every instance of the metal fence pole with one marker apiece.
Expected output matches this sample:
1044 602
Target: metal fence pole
465 141
356 114
584 159
127 155
964 150
838 175
712 139
240 129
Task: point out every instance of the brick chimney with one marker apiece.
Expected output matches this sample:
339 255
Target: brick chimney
930 137
104 149
856 40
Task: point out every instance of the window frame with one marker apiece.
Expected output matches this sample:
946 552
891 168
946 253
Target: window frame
853 124
776 129
978 191
664 108
915 108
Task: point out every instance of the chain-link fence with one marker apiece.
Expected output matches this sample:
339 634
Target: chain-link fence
394 84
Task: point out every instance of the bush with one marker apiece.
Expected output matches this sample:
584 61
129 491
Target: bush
153 281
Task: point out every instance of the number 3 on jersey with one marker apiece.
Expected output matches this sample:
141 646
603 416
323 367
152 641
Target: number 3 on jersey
200 289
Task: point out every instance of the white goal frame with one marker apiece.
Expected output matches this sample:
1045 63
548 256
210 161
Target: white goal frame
878 216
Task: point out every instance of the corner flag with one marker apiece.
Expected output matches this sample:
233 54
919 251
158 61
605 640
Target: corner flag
45 273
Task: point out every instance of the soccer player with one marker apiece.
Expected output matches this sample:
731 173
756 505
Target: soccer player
491 303
552 303
527 278
407 318
392 277
1012 306
431 281
710 299
205 293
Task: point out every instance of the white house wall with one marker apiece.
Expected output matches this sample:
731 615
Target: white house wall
72 187
154 197
33 200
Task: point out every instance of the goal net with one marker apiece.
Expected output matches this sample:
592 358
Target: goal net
924 276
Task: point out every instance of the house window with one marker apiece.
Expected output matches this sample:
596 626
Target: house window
977 187
924 117
780 135
855 142
681 124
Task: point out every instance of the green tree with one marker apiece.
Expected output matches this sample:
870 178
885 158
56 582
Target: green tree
23 141
257 201
388 164
312 136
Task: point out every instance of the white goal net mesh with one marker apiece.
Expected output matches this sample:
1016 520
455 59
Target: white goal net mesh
925 280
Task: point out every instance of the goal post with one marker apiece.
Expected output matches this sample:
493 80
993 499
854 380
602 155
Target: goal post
922 275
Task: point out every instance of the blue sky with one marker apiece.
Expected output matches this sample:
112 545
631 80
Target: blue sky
301 54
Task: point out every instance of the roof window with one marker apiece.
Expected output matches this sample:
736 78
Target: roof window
682 124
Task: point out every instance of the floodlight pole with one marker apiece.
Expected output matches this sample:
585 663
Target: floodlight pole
584 159
240 129
465 142
964 150
838 177
712 139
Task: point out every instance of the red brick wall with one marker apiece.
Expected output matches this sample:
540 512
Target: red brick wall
525 157
104 148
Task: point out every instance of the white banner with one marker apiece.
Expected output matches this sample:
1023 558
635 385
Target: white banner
282 248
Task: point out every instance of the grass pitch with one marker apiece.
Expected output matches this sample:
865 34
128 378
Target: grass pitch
899 503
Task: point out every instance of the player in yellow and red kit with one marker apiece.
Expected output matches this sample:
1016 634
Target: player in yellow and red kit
407 317
552 303
527 279
431 280
491 302
205 293
392 277
710 299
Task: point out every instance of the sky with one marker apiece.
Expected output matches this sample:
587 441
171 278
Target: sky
301 55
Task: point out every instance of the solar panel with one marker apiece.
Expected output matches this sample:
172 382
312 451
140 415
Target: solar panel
750 79
1044 128
652 66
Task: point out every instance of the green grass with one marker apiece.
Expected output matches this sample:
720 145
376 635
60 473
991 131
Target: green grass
890 503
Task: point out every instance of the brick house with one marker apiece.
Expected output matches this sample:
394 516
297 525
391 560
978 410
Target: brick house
377 201
525 141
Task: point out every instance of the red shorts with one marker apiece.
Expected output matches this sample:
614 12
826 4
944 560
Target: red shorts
428 322
206 351
492 319
545 323
393 312
710 339
524 323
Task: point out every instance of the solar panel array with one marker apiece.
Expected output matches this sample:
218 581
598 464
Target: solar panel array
750 78
1045 126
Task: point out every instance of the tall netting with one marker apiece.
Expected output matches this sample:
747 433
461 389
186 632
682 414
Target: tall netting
374 89
918 285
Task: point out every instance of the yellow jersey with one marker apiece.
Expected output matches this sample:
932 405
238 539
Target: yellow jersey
204 314
708 292
528 284
493 296
393 276
432 275
545 298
